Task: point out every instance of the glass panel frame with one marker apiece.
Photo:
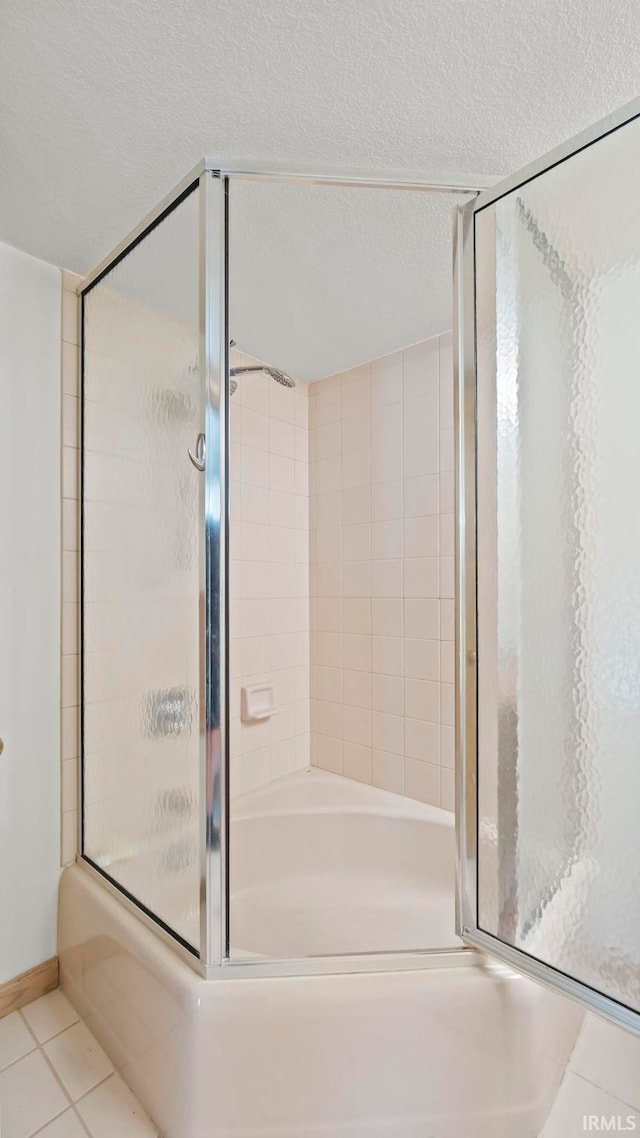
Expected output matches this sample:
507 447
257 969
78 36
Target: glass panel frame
211 190
213 184
470 453
189 193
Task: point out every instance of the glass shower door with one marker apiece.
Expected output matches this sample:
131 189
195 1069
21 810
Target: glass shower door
549 672
142 542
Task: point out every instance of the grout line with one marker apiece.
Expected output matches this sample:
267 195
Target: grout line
55 1074
82 1121
66 1110
28 1025
41 1048
86 1094
48 1123
55 1034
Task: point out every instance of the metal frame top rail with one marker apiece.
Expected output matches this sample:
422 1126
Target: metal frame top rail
357 178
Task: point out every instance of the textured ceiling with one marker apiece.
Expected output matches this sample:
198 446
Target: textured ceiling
105 105
323 278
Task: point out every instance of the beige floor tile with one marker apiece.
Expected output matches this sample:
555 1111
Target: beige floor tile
30 1096
67 1125
78 1059
15 1039
50 1015
111 1109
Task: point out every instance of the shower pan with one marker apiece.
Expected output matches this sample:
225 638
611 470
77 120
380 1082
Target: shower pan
229 947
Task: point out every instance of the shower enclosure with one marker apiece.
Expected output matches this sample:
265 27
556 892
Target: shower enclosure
185 812
211 323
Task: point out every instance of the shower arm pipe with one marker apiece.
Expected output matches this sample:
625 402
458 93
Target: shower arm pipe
391 180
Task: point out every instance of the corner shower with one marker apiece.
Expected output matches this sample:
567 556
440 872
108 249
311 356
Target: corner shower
289 827
279 646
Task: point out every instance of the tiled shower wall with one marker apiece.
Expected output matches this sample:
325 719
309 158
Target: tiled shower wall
377 594
382 572
269 575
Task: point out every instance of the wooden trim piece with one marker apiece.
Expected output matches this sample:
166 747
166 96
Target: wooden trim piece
23 989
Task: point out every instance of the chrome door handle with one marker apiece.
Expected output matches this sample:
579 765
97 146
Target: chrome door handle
201 452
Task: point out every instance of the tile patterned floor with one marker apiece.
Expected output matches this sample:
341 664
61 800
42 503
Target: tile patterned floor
57 1082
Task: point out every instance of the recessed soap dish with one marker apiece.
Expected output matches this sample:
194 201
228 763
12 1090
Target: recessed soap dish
257 702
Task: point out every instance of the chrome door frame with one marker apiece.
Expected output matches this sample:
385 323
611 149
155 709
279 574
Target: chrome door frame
466 592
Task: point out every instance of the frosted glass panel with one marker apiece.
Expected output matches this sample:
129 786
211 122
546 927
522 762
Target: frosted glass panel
558 341
142 411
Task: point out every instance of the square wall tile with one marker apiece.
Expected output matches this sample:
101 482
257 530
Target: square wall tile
422 659
421 537
386 577
356 398
387 694
356 615
356 469
388 491
421 577
387 771
355 433
421 369
357 725
387 616
422 781
329 754
357 689
387 732
386 539
447 746
386 380
356 506
422 700
356 762
356 542
447 704
386 501
447 789
356 653
421 496
422 740
422 617
387 655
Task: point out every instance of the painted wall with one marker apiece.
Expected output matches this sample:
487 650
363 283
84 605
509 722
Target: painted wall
382 580
29 608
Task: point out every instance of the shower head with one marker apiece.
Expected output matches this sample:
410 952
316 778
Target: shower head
280 376
274 373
